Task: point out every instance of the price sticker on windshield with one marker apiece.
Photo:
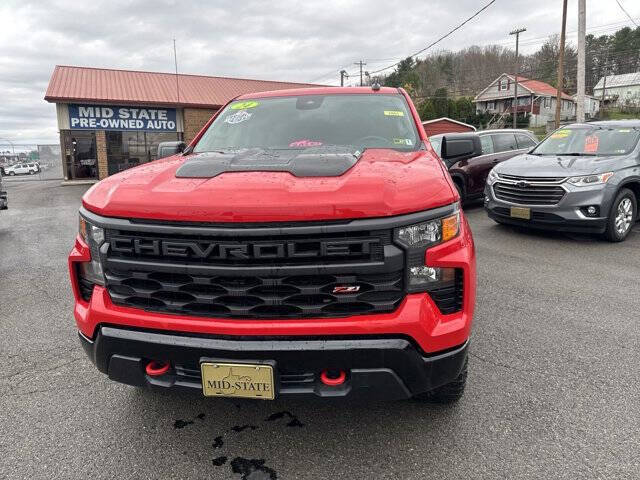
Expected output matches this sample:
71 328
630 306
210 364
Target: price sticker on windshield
591 144
394 113
561 133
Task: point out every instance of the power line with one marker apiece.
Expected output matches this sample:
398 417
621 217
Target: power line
442 37
626 13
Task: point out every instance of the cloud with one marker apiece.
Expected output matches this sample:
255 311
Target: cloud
284 40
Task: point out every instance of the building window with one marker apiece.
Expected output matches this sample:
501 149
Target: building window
81 159
504 85
491 106
130 149
547 102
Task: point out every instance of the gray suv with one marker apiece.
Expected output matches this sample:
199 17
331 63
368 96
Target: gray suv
581 178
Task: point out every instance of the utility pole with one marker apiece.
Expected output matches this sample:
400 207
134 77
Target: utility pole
343 75
561 63
517 33
362 64
582 26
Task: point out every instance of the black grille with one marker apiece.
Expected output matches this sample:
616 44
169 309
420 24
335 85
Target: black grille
255 275
529 194
449 298
296 296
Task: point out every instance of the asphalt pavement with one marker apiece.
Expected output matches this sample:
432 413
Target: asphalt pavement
552 390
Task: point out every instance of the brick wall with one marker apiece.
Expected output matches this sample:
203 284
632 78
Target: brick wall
194 119
101 150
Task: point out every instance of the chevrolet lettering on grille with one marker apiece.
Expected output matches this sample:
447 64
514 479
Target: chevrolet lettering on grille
224 250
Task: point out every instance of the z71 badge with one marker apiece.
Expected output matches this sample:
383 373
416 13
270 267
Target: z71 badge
347 289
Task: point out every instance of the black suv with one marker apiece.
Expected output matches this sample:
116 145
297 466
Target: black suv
470 156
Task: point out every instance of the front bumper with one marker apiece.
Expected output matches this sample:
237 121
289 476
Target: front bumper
566 216
377 368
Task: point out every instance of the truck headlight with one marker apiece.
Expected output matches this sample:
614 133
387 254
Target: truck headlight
431 232
416 238
492 177
587 180
94 238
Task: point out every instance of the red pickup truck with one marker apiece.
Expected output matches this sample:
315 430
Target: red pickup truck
307 242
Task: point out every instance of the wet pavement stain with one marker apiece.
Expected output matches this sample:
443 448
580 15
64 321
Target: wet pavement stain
182 423
219 461
217 442
294 422
238 428
252 469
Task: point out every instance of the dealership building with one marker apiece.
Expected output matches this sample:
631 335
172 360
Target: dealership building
111 120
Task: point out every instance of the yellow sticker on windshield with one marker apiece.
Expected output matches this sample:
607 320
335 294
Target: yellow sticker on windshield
561 133
244 105
394 113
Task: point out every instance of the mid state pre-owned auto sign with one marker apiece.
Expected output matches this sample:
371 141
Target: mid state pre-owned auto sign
95 117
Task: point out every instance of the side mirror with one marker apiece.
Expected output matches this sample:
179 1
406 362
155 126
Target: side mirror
166 149
460 148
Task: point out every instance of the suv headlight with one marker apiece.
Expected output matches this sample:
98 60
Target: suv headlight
416 239
94 238
492 177
587 180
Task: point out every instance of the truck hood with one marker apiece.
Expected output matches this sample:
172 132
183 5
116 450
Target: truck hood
381 183
556 166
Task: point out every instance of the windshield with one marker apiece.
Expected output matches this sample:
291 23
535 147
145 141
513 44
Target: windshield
296 123
589 140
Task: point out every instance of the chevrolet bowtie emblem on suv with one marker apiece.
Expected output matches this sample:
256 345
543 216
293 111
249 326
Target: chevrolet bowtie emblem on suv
522 184
347 289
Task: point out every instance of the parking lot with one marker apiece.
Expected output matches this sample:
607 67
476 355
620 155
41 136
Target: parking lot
552 392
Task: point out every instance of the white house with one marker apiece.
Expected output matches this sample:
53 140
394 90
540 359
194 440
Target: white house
536 100
591 106
619 90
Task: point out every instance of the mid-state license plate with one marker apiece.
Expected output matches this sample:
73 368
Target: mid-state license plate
521 212
237 380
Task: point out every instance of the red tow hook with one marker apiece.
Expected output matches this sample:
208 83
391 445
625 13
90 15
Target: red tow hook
333 378
155 368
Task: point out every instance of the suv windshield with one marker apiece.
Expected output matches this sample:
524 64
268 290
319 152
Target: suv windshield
298 122
589 140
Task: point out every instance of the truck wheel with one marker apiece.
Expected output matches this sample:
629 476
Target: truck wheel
622 216
449 392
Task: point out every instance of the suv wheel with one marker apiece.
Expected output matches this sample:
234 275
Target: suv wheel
449 392
623 214
12 173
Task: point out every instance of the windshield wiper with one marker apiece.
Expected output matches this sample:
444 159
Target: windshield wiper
576 154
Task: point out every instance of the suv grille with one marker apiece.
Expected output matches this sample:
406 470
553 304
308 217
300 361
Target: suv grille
529 194
277 276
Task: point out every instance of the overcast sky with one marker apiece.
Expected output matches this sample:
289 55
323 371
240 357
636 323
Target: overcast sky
279 40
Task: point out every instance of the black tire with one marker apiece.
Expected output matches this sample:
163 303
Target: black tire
457 182
612 233
449 392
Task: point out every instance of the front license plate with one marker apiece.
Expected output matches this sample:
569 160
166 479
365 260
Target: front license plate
521 212
237 380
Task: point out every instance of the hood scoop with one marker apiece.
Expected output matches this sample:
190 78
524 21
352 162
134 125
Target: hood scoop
311 162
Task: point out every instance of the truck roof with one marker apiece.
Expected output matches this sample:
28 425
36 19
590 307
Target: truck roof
320 91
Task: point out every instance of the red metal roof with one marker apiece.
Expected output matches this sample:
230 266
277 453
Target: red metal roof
536 86
99 85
